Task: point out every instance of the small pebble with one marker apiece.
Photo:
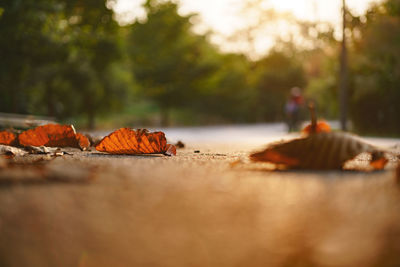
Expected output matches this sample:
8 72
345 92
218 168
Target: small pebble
197 151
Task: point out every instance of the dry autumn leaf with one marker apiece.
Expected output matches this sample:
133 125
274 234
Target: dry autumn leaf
8 138
319 151
53 135
12 151
315 126
378 160
318 127
129 141
54 151
83 141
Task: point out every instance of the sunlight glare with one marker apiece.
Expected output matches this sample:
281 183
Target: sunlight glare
223 18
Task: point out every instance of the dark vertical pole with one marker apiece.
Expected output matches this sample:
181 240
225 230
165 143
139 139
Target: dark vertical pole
343 74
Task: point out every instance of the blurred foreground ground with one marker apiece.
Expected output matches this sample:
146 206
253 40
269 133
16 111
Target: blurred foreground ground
197 209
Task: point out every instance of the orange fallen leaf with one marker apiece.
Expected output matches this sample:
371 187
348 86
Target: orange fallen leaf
318 127
379 164
83 141
378 160
275 157
315 126
53 135
171 150
8 138
318 151
129 141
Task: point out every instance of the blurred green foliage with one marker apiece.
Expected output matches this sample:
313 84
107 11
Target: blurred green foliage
71 60
276 74
170 63
57 58
376 69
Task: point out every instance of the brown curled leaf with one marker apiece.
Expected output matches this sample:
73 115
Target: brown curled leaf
8 138
317 151
11 151
140 141
53 135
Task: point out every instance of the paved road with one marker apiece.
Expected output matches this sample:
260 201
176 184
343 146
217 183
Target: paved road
197 209
252 135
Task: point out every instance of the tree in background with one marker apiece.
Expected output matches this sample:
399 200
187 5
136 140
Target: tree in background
275 75
70 59
227 94
94 49
30 40
321 67
57 58
169 61
376 69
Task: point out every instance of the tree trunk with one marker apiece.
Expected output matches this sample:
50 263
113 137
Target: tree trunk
343 74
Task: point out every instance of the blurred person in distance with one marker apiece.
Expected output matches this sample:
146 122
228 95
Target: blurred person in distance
292 108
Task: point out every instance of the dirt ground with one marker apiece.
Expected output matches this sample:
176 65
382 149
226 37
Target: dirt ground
195 209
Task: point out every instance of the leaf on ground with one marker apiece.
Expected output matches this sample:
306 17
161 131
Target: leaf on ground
12 151
140 141
8 138
54 151
83 141
378 160
53 135
171 150
319 151
318 127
